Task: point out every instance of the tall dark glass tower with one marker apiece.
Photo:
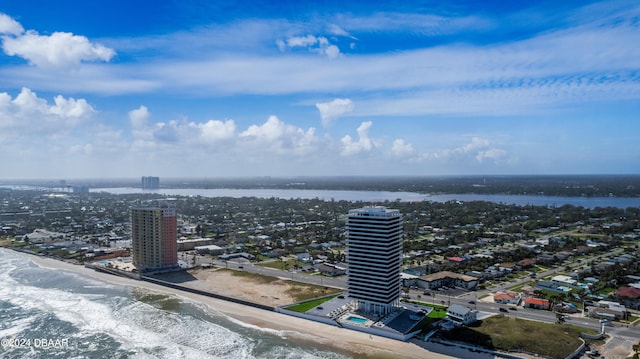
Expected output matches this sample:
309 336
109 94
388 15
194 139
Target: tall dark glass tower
374 254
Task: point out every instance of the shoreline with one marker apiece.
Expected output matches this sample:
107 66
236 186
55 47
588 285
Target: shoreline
345 341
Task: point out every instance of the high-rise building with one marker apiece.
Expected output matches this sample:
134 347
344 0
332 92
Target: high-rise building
154 244
374 255
150 182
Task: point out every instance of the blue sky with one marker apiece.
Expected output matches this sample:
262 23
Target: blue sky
256 88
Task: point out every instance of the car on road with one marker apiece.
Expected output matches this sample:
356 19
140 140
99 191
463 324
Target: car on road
240 267
471 302
513 308
504 310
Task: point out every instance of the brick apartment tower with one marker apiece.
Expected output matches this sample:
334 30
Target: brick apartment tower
374 255
154 236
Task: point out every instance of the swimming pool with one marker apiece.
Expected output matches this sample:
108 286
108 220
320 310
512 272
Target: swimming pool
357 320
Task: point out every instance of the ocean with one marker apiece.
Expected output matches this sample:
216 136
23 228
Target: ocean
47 313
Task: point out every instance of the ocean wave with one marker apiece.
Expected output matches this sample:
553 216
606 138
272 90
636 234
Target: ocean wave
114 321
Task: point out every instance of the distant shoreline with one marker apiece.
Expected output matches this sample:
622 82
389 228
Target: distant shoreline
559 185
383 196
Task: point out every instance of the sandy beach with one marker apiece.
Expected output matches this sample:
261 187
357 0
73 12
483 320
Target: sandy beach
350 342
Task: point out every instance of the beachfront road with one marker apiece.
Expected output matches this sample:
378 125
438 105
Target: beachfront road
340 282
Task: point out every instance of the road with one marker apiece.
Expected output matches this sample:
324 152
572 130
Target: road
458 297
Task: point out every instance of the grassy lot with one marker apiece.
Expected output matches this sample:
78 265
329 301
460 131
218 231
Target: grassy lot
303 291
305 306
438 313
437 306
5 242
505 333
606 291
538 269
257 277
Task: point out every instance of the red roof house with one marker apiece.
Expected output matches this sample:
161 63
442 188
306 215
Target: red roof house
536 303
629 296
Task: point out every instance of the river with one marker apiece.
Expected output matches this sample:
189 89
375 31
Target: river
382 196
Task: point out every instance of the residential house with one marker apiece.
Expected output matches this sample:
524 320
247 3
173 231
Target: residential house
461 315
331 269
507 297
629 296
607 310
304 257
536 303
506 267
526 263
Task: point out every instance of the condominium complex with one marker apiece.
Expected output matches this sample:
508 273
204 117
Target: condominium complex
149 182
374 255
154 236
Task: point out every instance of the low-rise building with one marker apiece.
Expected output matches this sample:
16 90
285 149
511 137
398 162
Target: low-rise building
507 297
190 244
537 303
226 257
629 296
447 279
608 310
461 315
210 249
606 313
331 269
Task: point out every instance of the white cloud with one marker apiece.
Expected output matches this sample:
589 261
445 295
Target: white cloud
71 108
475 144
29 119
141 130
401 149
302 41
424 24
9 26
492 154
214 130
27 107
478 150
338 31
59 49
139 117
363 144
332 110
318 44
332 51
278 137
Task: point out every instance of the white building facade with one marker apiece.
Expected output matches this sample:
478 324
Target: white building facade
374 255
461 315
